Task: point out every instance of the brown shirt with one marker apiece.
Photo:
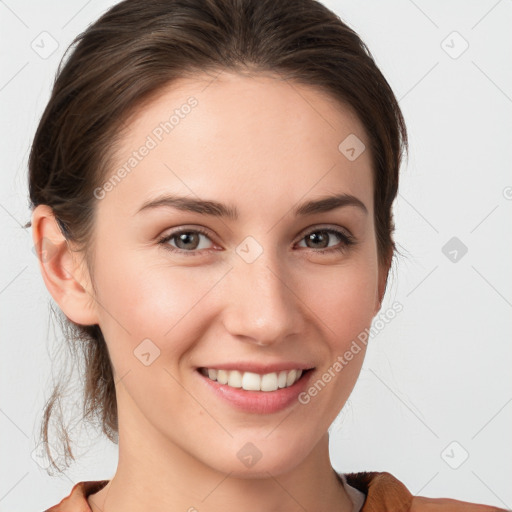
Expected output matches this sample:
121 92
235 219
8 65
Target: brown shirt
384 493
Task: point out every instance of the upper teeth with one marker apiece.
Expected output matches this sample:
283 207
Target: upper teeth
254 381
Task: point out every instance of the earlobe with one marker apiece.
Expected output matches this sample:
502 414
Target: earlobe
64 273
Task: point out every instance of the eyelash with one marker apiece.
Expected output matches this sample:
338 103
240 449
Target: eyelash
346 241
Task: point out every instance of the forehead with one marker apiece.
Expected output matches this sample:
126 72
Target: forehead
245 136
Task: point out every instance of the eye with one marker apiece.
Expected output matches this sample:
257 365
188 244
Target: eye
320 239
188 241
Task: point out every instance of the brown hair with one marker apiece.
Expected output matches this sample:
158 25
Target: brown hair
128 55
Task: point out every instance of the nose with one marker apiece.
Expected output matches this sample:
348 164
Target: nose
263 307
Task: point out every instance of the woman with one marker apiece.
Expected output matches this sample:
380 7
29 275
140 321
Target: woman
252 131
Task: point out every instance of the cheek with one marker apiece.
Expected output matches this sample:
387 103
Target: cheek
156 302
344 306
344 301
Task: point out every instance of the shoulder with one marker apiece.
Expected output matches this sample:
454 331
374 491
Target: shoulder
77 499
385 493
420 504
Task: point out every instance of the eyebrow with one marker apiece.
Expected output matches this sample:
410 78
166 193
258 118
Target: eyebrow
217 209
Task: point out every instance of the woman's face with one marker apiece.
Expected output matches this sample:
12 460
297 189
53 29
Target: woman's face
258 282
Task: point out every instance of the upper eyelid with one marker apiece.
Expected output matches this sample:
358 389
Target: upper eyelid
320 227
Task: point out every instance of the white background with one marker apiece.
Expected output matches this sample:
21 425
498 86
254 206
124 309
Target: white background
440 371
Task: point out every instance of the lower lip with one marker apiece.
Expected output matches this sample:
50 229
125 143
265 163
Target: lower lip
259 402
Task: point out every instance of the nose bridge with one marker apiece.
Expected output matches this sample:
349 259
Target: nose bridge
263 307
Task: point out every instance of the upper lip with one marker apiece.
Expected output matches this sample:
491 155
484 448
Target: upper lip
262 368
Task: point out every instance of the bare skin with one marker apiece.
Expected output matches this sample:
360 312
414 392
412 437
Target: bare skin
263 145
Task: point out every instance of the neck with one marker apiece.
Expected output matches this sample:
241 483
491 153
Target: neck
155 474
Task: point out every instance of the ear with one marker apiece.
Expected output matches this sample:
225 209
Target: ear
64 271
382 281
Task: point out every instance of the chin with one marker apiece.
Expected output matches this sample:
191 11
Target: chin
263 456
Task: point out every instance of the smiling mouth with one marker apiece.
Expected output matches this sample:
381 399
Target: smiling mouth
250 381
